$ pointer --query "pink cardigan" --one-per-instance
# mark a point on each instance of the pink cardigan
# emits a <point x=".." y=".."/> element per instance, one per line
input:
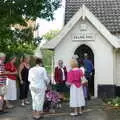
<point x="74" y="77"/>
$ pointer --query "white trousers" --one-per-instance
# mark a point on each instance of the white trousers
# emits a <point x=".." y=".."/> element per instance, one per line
<point x="38" y="99"/>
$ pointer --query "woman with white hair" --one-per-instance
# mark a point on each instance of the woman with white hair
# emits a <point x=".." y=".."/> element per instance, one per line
<point x="74" y="79"/>
<point x="60" y="77"/>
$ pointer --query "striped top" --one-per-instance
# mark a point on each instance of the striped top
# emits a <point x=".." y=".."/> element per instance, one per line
<point x="2" y="77"/>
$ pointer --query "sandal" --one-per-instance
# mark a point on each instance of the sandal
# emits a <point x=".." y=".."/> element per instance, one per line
<point x="27" y="102"/>
<point x="23" y="104"/>
<point x="80" y="113"/>
<point x="37" y="117"/>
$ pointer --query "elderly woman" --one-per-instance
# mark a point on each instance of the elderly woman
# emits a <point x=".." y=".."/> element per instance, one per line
<point x="11" y="81"/>
<point x="23" y="76"/>
<point x="38" y="84"/>
<point x="60" y="78"/>
<point x="76" y="91"/>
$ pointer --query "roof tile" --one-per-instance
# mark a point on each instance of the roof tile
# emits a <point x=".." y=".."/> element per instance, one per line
<point x="107" y="11"/>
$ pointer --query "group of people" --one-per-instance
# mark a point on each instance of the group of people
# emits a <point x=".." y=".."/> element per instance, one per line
<point x="37" y="81"/>
<point x="8" y="76"/>
<point x="78" y="79"/>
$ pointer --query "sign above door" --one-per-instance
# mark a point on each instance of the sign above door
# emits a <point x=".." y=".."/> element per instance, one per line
<point x="83" y="34"/>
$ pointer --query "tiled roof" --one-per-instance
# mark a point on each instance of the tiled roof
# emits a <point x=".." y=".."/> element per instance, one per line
<point x="107" y="11"/>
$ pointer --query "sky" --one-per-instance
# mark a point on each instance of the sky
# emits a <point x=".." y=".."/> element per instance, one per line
<point x="46" y="26"/>
<point x="57" y="23"/>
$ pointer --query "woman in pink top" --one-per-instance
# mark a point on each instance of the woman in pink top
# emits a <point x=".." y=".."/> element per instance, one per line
<point x="76" y="91"/>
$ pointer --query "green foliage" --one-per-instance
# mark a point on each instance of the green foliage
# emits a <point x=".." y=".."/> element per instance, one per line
<point x="22" y="42"/>
<point x="51" y="34"/>
<point x="14" y="12"/>
<point x="47" y="59"/>
<point x="114" y="101"/>
<point x="48" y="54"/>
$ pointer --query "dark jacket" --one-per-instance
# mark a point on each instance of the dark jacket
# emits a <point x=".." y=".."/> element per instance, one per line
<point x="58" y="75"/>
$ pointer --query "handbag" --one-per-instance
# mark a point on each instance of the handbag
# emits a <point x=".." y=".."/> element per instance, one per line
<point x="3" y="90"/>
<point x="84" y="80"/>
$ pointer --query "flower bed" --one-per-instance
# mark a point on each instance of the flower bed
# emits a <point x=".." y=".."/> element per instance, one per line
<point x="112" y="103"/>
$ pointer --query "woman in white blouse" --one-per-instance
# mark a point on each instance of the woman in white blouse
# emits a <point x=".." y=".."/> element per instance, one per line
<point x="38" y="84"/>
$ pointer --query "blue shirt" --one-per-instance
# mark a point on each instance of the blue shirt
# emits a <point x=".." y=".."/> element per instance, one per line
<point x="88" y="66"/>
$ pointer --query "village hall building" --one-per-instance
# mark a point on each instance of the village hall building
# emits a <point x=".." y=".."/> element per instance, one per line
<point x="93" y="27"/>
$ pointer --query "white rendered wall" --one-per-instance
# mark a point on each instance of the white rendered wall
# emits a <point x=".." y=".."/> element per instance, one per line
<point x="103" y="54"/>
<point x="118" y="68"/>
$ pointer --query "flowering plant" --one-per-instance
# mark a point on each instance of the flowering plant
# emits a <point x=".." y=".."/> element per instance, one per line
<point x="52" y="96"/>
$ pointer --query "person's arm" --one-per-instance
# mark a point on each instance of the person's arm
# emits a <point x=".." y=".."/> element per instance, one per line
<point x="47" y="80"/>
<point x="4" y="73"/>
<point x="56" y="75"/>
<point x="65" y="71"/>
<point x="19" y="73"/>
<point x="8" y="69"/>
<point x="69" y="79"/>
<point x="30" y="75"/>
<point x="13" y="73"/>
<point x="92" y="68"/>
<point x="84" y="81"/>
<point x="82" y="78"/>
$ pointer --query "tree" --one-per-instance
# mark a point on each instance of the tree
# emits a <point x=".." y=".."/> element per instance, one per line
<point x="14" y="12"/>
<point x="48" y="54"/>
<point x="17" y="11"/>
<point x="51" y="34"/>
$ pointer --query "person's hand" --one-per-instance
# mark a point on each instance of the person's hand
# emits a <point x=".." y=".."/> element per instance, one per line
<point x="57" y="83"/>
<point x="21" y="82"/>
<point x="3" y="73"/>
<point x="7" y="72"/>
<point x="91" y="74"/>
<point x="68" y="84"/>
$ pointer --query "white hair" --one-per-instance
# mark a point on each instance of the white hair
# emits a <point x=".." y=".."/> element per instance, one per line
<point x="85" y="54"/>
<point x="75" y="57"/>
